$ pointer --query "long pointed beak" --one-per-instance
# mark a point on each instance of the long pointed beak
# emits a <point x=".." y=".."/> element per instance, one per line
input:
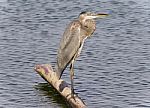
<point x="100" y="15"/>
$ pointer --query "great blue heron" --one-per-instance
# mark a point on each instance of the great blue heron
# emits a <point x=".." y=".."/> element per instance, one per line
<point x="72" y="42"/>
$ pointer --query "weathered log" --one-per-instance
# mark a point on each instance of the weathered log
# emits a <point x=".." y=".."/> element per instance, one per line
<point x="61" y="86"/>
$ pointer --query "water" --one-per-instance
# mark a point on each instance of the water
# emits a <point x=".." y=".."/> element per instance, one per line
<point x="113" y="70"/>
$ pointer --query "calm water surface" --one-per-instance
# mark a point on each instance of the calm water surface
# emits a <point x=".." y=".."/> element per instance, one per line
<point x="113" y="70"/>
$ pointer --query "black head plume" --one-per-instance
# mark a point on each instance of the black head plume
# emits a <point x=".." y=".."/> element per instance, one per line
<point x="83" y="12"/>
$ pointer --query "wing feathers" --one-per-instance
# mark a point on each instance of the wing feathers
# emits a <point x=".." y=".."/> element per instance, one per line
<point x="69" y="46"/>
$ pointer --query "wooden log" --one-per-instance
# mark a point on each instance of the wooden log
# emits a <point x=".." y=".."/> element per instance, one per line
<point x="61" y="86"/>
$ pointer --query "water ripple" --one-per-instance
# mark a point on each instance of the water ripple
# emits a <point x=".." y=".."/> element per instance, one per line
<point x="112" y="71"/>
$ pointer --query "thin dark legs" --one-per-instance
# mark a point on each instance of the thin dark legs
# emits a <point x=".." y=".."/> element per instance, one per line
<point x="71" y="77"/>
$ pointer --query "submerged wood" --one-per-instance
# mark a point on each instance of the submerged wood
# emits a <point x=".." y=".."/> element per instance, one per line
<point x="60" y="85"/>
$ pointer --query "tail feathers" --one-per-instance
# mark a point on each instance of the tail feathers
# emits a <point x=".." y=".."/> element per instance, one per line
<point x="58" y="71"/>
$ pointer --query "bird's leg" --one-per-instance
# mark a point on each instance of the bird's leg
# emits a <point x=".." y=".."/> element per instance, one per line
<point x="71" y="77"/>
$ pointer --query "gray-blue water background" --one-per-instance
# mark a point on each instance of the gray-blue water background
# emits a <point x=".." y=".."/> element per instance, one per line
<point x="113" y="70"/>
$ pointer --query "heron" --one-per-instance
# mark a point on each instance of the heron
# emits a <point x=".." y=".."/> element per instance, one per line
<point x="72" y="42"/>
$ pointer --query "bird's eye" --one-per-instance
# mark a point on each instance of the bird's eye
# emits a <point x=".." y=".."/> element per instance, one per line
<point x="86" y="26"/>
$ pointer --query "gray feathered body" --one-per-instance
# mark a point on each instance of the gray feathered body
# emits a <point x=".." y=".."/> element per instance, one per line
<point x="72" y="42"/>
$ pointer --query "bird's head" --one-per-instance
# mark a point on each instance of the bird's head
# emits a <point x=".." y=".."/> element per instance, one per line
<point x="89" y="15"/>
<point x="87" y="19"/>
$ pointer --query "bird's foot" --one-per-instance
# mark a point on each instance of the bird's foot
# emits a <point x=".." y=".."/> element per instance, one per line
<point x="73" y="95"/>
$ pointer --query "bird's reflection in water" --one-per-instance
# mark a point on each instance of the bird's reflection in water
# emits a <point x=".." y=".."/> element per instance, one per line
<point x="47" y="91"/>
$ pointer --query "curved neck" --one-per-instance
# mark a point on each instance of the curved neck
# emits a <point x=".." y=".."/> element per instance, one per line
<point x="88" y="25"/>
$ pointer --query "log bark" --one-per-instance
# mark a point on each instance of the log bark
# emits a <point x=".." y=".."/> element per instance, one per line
<point x="60" y="85"/>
